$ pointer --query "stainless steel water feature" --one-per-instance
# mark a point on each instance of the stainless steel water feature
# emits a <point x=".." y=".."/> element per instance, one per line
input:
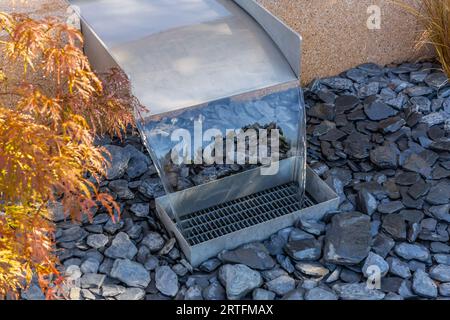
<point x="225" y="65"/>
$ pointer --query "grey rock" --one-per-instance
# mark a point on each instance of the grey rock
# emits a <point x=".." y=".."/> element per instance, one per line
<point x="444" y="289"/>
<point x="442" y="258"/>
<point x="416" y="163"/>
<point x="439" y="247"/>
<point x="92" y="280"/>
<point x="399" y="268"/>
<point x="214" y="291"/>
<point x="312" y="269"/>
<point x="367" y="203"/>
<point x="120" y="187"/>
<point x="385" y="157"/>
<point x="439" y="194"/>
<point x="423" y="285"/>
<point x="239" y="280"/>
<point x="406" y="291"/>
<point x="348" y="239"/>
<point x="337" y="83"/>
<point x="357" y="291"/>
<point x="254" y="256"/>
<point x="193" y="294"/>
<point x="436" y="80"/>
<point x="263" y="295"/>
<point x="121" y="247"/>
<point x="418" y="91"/>
<point x="374" y="260"/>
<point x="350" y="276"/>
<point x="112" y="290"/>
<point x="131" y="294"/>
<point x="131" y="273"/>
<point x="440" y="273"/>
<point x="118" y="158"/>
<point x="141" y="210"/>
<point x="377" y="111"/>
<point x="382" y="245"/>
<point x="97" y="241"/>
<point x="281" y="285"/>
<point x="75" y="233"/>
<point x="412" y="251"/>
<point x="90" y="266"/>
<point x="153" y="241"/>
<point x="167" y="281"/>
<point x="304" y="250"/>
<point x="433" y="119"/>
<point x="395" y="226"/>
<point x="320" y="294"/>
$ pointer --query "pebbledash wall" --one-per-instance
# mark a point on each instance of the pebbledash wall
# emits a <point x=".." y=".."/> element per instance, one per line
<point x="336" y="35"/>
<point x="335" y="32"/>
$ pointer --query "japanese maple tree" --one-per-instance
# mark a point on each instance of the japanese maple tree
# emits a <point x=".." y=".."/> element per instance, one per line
<point x="49" y="118"/>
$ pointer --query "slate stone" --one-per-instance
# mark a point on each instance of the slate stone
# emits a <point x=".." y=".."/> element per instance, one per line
<point x="374" y="260"/>
<point x="254" y="256"/>
<point x="323" y="111"/>
<point x="412" y="252"/>
<point x="440" y="273"/>
<point x="346" y="103"/>
<point x="419" y="189"/>
<point x="281" y="285"/>
<point x="337" y="83"/>
<point x="263" y="295"/>
<point x="395" y="225"/>
<point x="121" y="247"/>
<point x="320" y="294"/>
<point x="390" y="207"/>
<point x="407" y="178"/>
<point x="153" y="241"/>
<point x="377" y="111"/>
<point x="415" y="163"/>
<point x="441" y="212"/>
<point x="166" y="281"/>
<point x="348" y="239"/>
<point x="423" y="285"/>
<point x="399" y="268"/>
<point x="391" y="125"/>
<point x="118" y="158"/>
<point x="141" y="210"/>
<point x="439" y="194"/>
<point x="367" y="203"/>
<point x="239" y="280"/>
<point x="131" y="273"/>
<point x="382" y="245"/>
<point x="418" y="91"/>
<point x="304" y="250"/>
<point x="357" y="291"/>
<point x="385" y="157"/>
<point x="436" y="80"/>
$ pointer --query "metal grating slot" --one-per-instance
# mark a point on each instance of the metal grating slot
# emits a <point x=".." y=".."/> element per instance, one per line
<point x="232" y="216"/>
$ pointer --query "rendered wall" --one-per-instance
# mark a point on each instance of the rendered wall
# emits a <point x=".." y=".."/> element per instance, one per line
<point x="336" y="36"/>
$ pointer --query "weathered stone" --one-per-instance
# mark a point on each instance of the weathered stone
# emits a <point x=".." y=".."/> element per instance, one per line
<point x="377" y="111"/>
<point x="97" y="241"/>
<point x="121" y="247"/>
<point x="357" y="291"/>
<point x="440" y="273"/>
<point x="153" y="241"/>
<point x="399" y="268"/>
<point x="119" y="158"/>
<point x="366" y="202"/>
<point x="395" y="225"/>
<point x="254" y="256"/>
<point x="423" y="285"/>
<point x="348" y="239"/>
<point x="320" y="294"/>
<point x="239" y="280"/>
<point x="281" y="285"/>
<point x="412" y="251"/>
<point x="385" y="157"/>
<point x="439" y="194"/>
<point x="141" y="210"/>
<point x="131" y="273"/>
<point x="262" y="295"/>
<point x="374" y="260"/>
<point x="304" y="250"/>
<point x="312" y="269"/>
<point x="120" y="188"/>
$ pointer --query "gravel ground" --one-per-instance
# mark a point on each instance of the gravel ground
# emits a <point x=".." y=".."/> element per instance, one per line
<point x="379" y="136"/>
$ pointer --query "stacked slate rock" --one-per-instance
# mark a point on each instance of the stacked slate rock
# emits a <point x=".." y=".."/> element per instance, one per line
<point x="379" y="136"/>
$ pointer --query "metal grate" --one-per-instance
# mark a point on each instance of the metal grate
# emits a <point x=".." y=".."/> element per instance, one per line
<point x="217" y="221"/>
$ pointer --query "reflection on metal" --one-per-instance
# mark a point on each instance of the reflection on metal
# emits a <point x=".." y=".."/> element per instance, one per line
<point x="200" y="243"/>
<point x="228" y="64"/>
<point x="187" y="52"/>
